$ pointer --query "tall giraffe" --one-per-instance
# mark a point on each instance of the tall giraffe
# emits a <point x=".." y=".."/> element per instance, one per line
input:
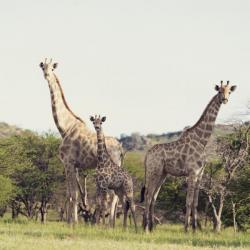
<point x="183" y="157"/>
<point x="110" y="176"/>
<point x="78" y="147"/>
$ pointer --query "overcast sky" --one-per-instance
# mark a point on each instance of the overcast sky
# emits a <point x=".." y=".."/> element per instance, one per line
<point x="149" y="66"/>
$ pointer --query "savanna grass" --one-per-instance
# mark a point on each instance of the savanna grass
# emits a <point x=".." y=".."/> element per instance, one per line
<point x="24" y="234"/>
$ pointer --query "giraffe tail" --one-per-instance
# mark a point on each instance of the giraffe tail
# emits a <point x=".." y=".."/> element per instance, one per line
<point x="143" y="193"/>
<point x="127" y="205"/>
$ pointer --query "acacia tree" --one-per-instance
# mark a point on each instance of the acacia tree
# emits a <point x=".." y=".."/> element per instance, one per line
<point x="49" y="170"/>
<point x="233" y="154"/>
<point x="239" y="203"/>
<point x="32" y="162"/>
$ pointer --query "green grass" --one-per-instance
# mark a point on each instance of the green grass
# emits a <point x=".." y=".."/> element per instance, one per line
<point x="134" y="162"/>
<point x="23" y="234"/>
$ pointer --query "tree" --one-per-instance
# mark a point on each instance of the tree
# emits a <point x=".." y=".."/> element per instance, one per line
<point x="32" y="162"/>
<point x="233" y="154"/>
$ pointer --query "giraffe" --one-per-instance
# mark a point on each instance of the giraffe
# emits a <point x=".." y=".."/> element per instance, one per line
<point x="183" y="157"/>
<point x="78" y="147"/>
<point x="110" y="176"/>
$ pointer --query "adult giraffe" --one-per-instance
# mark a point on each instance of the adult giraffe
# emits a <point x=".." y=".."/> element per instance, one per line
<point x="78" y="147"/>
<point x="183" y="157"/>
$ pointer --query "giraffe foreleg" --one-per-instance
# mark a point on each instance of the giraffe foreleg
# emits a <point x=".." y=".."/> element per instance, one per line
<point x="72" y="193"/>
<point x="195" y="202"/>
<point x="113" y="208"/>
<point x="192" y="179"/>
<point x="98" y="205"/>
<point x="104" y="206"/>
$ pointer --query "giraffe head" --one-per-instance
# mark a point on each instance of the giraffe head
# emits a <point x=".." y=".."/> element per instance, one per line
<point x="48" y="68"/>
<point x="97" y="121"/>
<point x="224" y="90"/>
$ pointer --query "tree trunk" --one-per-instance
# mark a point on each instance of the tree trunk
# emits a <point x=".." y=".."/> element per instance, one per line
<point x="61" y="213"/>
<point x="15" y="209"/>
<point x="3" y="210"/>
<point x="43" y="211"/>
<point x="206" y="213"/>
<point x="217" y="224"/>
<point x="217" y="214"/>
<point x="234" y="216"/>
<point x="43" y="216"/>
<point x="14" y="213"/>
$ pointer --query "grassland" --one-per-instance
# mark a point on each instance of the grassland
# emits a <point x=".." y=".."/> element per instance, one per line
<point x="24" y="234"/>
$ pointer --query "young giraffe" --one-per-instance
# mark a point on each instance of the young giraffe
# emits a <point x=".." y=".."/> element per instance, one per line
<point x="110" y="176"/>
<point x="78" y="147"/>
<point x="183" y="157"/>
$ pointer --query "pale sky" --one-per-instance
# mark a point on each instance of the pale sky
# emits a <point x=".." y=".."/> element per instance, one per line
<point x="149" y="66"/>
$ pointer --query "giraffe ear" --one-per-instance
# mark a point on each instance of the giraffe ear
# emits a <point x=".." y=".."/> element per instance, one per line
<point x="41" y="64"/>
<point x="233" y="88"/>
<point x="91" y="118"/>
<point x="217" y="88"/>
<point x="103" y="118"/>
<point x="55" y="65"/>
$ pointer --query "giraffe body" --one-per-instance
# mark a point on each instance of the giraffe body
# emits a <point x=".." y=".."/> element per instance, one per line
<point x="78" y="146"/>
<point x="110" y="176"/>
<point x="183" y="157"/>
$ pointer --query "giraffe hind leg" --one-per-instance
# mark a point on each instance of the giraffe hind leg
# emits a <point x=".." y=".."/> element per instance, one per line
<point x="150" y="191"/>
<point x="131" y="205"/>
<point x="152" y="205"/>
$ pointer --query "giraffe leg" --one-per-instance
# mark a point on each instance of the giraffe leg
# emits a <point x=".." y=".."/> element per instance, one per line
<point x="122" y="199"/>
<point x="125" y="209"/>
<point x="148" y="199"/>
<point x="98" y="205"/>
<point x="152" y="205"/>
<point x="113" y="210"/>
<point x="192" y="179"/>
<point x="104" y="207"/>
<point x="115" y="213"/>
<point x="195" y="202"/>
<point x="132" y="208"/>
<point x="194" y="207"/>
<point x="72" y="192"/>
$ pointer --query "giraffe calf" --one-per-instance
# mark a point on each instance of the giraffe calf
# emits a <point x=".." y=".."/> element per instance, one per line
<point x="110" y="176"/>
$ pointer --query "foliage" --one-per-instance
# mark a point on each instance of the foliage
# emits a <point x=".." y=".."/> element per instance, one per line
<point x="6" y="192"/>
<point x="222" y="178"/>
<point x="32" y="163"/>
<point x="172" y="198"/>
<point x="239" y="194"/>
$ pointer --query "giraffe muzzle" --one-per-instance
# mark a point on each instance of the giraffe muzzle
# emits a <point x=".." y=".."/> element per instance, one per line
<point x="97" y="128"/>
<point x="224" y="100"/>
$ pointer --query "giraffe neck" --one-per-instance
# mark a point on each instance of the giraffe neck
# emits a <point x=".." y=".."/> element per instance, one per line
<point x="64" y="118"/>
<point x="102" y="153"/>
<point x="205" y="125"/>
